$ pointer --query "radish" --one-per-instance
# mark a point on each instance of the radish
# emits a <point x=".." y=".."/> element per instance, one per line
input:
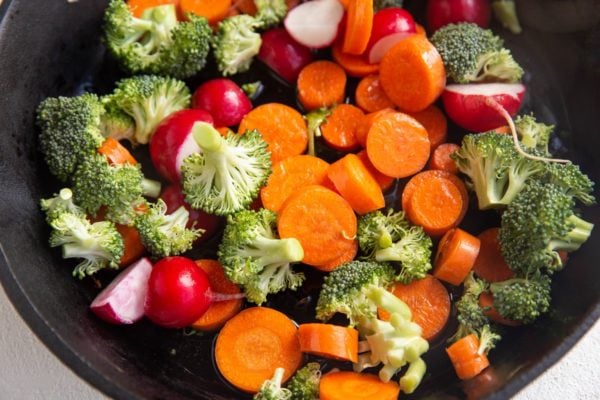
<point x="315" y="24"/>
<point x="172" y="142"/>
<point x="122" y="301"/>
<point x="469" y="106"/>
<point x="285" y="56"/>
<point x="223" y="99"/>
<point x="390" y="26"/>
<point x="444" y="12"/>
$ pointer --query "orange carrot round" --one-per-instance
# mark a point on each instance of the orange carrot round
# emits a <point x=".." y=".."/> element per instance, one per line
<point x="465" y="359"/>
<point x="282" y="127"/>
<point x="489" y="264"/>
<point x="428" y="301"/>
<point x="370" y="96"/>
<point x="245" y="6"/>
<point x="420" y="29"/>
<point x="213" y="10"/>
<point x="397" y="145"/>
<point x="356" y="66"/>
<point x="348" y="255"/>
<point x="339" y="130"/>
<point x="455" y="256"/>
<point x="359" y="22"/>
<point x="329" y="341"/>
<point x="366" y="122"/>
<point x="133" y="247"/>
<point x="440" y="158"/>
<point x="218" y="312"/>
<point x="348" y="385"/>
<point x="138" y="7"/>
<point x="253" y="344"/>
<point x="116" y="153"/>
<point x="435" y="123"/>
<point x="321" y="84"/>
<point x="412" y="73"/>
<point x="486" y="301"/>
<point x="385" y="182"/>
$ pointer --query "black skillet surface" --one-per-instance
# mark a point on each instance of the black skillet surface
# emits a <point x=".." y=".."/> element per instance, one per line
<point x="50" y="48"/>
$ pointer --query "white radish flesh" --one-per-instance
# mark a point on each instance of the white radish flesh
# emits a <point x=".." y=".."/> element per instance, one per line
<point x="315" y="23"/>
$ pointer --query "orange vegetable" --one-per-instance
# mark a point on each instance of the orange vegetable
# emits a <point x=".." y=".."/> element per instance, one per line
<point x="370" y="96"/>
<point x="486" y="301"/>
<point x="366" y="122"/>
<point x="329" y="341"/>
<point x="412" y="73"/>
<point x="138" y="7"/>
<point x="359" y="22"/>
<point x="356" y="66"/>
<point x="218" y="312"/>
<point x="385" y="182"/>
<point x="354" y="182"/>
<point x="245" y="6"/>
<point x="455" y="256"/>
<point x="465" y="359"/>
<point x="224" y="130"/>
<point x="440" y="159"/>
<point x="428" y="301"/>
<point x="397" y="145"/>
<point x="435" y="123"/>
<point x="213" y="10"/>
<point x="348" y="255"/>
<point x="348" y="385"/>
<point x="339" y="130"/>
<point x="253" y="344"/>
<point x="133" y="247"/>
<point x="116" y="153"/>
<point x="489" y="264"/>
<point x="322" y="221"/>
<point x="282" y="127"/>
<point x="420" y="30"/>
<point x="321" y="84"/>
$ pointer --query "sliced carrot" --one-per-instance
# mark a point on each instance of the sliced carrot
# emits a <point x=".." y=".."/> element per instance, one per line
<point x="435" y="123"/>
<point x="359" y="22"/>
<point x="366" y="122"/>
<point x="436" y="200"/>
<point x="329" y="341"/>
<point x="321" y="84"/>
<point x="440" y="159"/>
<point x="291" y="3"/>
<point x="339" y="130"/>
<point x="218" y="312"/>
<point x="348" y="255"/>
<point x="322" y="221"/>
<point x="354" y="182"/>
<point x="486" y="301"/>
<point x="224" y="130"/>
<point x="245" y="6"/>
<point x="282" y="127"/>
<point x="505" y="130"/>
<point x="253" y="344"/>
<point x="348" y="385"/>
<point x="370" y="96"/>
<point x="213" y="10"/>
<point x="356" y="66"/>
<point x="116" y="153"/>
<point x="428" y="301"/>
<point x="133" y="247"/>
<point x="385" y="182"/>
<point x="465" y="358"/>
<point x="289" y="175"/>
<point x="138" y="7"/>
<point x="490" y="264"/>
<point x="412" y="73"/>
<point x="455" y="256"/>
<point x="420" y="30"/>
<point x="397" y="145"/>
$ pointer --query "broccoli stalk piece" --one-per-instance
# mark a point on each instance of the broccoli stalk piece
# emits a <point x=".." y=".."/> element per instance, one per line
<point x="271" y="389"/>
<point x="314" y="120"/>
<point x="522" y="299"/>
<point x="505" y="11"/>
<point x="270" y="12"/>
<point x="474" y="54"/>
<point x="304" y="385"/>
<point x="533" y="134"/>
<point x="236" y="43"/>
<point x="226" y="176"/>
<point x="255" y="258"/>
<point x="60" y="203"/>
<point x="99" y="244"/>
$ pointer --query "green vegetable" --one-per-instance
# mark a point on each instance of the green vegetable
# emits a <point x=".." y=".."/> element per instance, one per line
<point x="314" y="120"/>
<point x="271" y="389"/>
<point x="236" y="43"/>
<point x="533" y="134"/>
<point x="60" y="203"/>
<point x="572" y="181"/>
<point x="506" y="12"/>
<point x="304" y="385"/>
<point x="116" y="123"/>
<point x="381" y="4"/>
<point x="522" y="299"/>
<point x="270" y="12"/>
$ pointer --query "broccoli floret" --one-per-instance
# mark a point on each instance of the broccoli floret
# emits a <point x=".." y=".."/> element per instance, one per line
<point x="253" y="89"/>
<point x="487" y="339"/>
<point x="165" y="234"/>
<point x="69" y="131"/>
<point x="533" y="134"/>
<point x="497" y="173"/>
<point x="474" y="54"/>
<point x="255" y="258"/>
<point x="522" y="299"/>
<point x="270" y="12"/>
<point x="60" y="203"/>
<point x="236" y="43"/>
<point x="572" y="181"/>
<point x="470" y="316"/>
<point x="342" y="290"/>
<point x="539" y="223"/>
<point x="226" y="176"/>
<point x="506" y="12"/>
<point x="391" y="238"/>
<point x="156" y="43"/>
<point x="148" y="99"/>
<point x="304" y="385"/>
<point x="381" y="4"/>
<point x="115" y="123"/>
<point x="271" y="389"/>
<point x="99" y="244"/>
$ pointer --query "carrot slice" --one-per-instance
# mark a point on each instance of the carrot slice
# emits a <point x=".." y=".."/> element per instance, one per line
<point x="289" y="175"/>
<point x="213" y="10"/>
<point x="354" y="182"/>
<point x="397" y="145"/>
<point x="339" y="130"/>
<point x="245" y="6"/>
<point x="133" y="247"/>
<point x="138" y="7"/>
<point x="486" y="301"/>
<point x="440" y="159"/>
<point x="366" y="122"/>
<point x="465" y="358"/>
<point x="370" y="96"/>
<point x="420" y="30"/>
<point x="359" y="22"/>
<point x="322" y="221"/>
<point x="412" y="73"/>
<point x="428" y="301"/>
<point x="348" y="255"/>
<point x="282" y="127"/>
<point x="348" y="385"/>
<point x="321" y="84"/>
<point x="218" y="312"/>
<point x="329" y="341"/>
<point x="355" y="66"/>
<point x="253" y="344"/>
<point x="385" y="182"/>
<point x="435" y="123"/>
<point x="489" y="264"/>
<point x="455" y="256"/>
<point x="116" y="153"/>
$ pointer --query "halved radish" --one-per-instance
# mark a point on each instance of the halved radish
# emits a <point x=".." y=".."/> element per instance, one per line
<point x="122" y="301"/>
<point x="315" y="23"/>
<point x="443" y="12"/>
<point x="390" y="25"/>
<point x="468" y="105"/>
<point x="224" y="100"/>
<point x="285" y="56"/>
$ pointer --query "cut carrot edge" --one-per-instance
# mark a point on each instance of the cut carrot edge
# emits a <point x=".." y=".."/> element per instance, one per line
<point x="490" y="264"/>
<point x="359" y="23"/>
<point x="116" y="153"/>
<point x="465" y="358"/>
<point x="329" y="341"/>
<point x="355" y="66"/>
<point x="455" y="256"/>
<point x="348" y="385"/>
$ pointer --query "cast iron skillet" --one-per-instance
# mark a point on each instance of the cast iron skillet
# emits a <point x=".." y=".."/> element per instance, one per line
<point x="50" y="48"/>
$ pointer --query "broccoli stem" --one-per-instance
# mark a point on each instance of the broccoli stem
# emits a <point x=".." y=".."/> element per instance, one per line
<point x="87" y="250"/>
<point x="575" y="237"/>
<point x="273" y="251"/>
<point x="386" y="300"/>
<point x="165" y="18"/>
<point x="505" y="11"/>
<point x="208" y="138"/>
<point x="177" y="217"/>
<point x="65" y="194"/>
<point x="412" y="378"/>
<point x="150" y="188"/>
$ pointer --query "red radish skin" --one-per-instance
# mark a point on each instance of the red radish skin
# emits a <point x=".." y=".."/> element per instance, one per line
<point x="223" y="99"/>
<point x="390" y="25"/>
<point x="285" y="56"/>
<point x="466" y="104"/>
<point x="122" y="301"/>
<point x="444" y="12"/>
<point x="316" y="23"/>
<point x="172" y="142"/>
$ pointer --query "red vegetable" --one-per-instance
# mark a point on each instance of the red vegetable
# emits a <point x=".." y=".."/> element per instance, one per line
<point x="443" y="12"/>
<point x="285" y="56"/>
<point x="390" y="25"/>
<point x="315" y="23"/>
<point x="223" y="99"/>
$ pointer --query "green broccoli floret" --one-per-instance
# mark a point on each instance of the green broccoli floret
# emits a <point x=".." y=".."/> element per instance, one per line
<point x="271" y="389"/>
<point x="539" y="223"/>
<point x="60" y="203"/>
<point x="572" y="181"/>
<point x="69" y="131"/>
<point x="236" y="43"/>
<point x="506" y="12"/>
<point x="156" y="43"/>
<point x="115" y="123"/>
<point x="270" y="12"/>
<point x="497" y="173"/>
<point x="470" y="316"/>
<point x="381" y="4"/>
<point x="342" y="290"/>
<point x="148" y="99"/>
<point x="522" y="299"/>
<point x="99" y="244"/>
<point x="165" y="234"/>
<point x="227" y="174"/>
<point x="255" y="258"/>
<point x="304" y="385"/>
<point x="533" y="134"/>
<point x="487" y="339"/>
<point x="253" y="89"/>
<point x="474" y="54"/>
<point x="391" y="238"/>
